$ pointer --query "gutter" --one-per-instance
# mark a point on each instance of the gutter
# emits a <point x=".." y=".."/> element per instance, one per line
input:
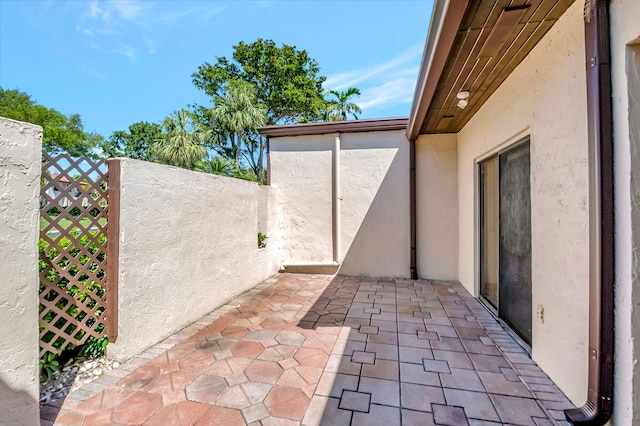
<point x="599" y="406"/>
<point x="413" y="208"/>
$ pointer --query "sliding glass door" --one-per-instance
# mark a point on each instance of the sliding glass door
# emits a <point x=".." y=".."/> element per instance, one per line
<point x="505" y="237"/>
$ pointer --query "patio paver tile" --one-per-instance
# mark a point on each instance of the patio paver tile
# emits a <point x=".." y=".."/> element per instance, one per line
<point x="517" y="410"/>
<point x="452" y="416"/>
<point x="355" y="401"/>
<point x="420" y="397"/>
<point x="414" y="373"/>
<point x="378" y="415"/>
<point x="221" y="416"/>
<point x="385" y="392"/>
<point x="476" y="405"/>
<point x="412" y="418"/>
<point x="329" y="350"/>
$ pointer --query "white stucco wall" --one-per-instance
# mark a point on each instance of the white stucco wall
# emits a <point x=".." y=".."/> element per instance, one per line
<point x="301" y="173"/>
<point x="437" y="206"/>
<point x="374" y="207"/>
<point x="545" y="97"/>
<point x="188" y="244"/>
<point x="375" y="204"/>
<point x="625" y="30"/>
<point x="20" y="152"/>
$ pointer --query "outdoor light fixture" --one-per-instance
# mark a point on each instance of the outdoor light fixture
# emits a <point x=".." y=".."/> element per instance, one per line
<point x="463" y="96"/>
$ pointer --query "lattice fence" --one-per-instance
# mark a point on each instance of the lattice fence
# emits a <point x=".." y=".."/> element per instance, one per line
<point x="73" y="241"/>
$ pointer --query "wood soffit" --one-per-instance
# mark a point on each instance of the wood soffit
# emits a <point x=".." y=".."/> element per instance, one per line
<point x="493" y="37"/>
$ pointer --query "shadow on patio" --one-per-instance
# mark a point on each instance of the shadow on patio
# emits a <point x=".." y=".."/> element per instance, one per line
<point x="301" y="349"/>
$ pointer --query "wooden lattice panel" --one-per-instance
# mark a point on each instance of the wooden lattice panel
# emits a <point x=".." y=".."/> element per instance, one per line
<point x="73" y="239"/>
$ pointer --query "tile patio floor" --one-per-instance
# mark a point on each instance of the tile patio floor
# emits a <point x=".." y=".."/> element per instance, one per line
<point x="302" y="349"/>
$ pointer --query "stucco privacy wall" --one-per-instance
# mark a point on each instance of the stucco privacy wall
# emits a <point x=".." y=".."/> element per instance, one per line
<point x="20" y="152"/>
<point x="545" y="97"/>
<point x="374" y="207"/>
<point x="188" y="244"/>
<point x="437" y="206"/>
<point x="300" y="169"/>
<point x="625" y="70"/>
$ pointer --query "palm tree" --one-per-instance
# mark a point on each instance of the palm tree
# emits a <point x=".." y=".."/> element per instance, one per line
<point x="217" y="166"/>
<point x="239" y="113"/>
<point x="341" y="107"/>
<point x="183" y="141"/>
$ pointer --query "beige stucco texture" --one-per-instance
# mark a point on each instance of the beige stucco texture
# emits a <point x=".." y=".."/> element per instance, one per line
<point x="188" y="244"/>
<point x="374" y="204"/>
<point x="625" y="72"/>
<point x="543" y="98"/>
<point x="20" y="152"/>
<point x="437" y="206"/>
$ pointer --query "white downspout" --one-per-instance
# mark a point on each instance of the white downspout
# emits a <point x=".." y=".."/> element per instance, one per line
<point x="337" y="197"/>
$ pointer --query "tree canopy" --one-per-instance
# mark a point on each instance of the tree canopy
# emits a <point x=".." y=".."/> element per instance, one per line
<point x="285" y="79"/>
<point x="340" y="107"/>
<point x="61" y="132"/>
<point x="183" y="142"/>
<point x="136" y="143"/>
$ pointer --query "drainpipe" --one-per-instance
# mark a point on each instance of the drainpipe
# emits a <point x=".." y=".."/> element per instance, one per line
<point x="337" y="197"/>
<point x="599" y="405"/>
<point x="412" y="206"/>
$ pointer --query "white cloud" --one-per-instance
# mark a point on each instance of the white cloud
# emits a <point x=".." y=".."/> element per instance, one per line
<point x="126" y="50"/>
<point x="130" y="26"/>
<point x="89" y="70"/>
<point x="396" y="91"/>
<point x="351" y="78"/>
<point x="128" y="9"/>
<point x="385" y="84"/>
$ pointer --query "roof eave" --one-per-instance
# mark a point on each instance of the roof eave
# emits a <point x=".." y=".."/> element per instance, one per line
<point x="446" y="18"/>
<point x="350" y="126"/>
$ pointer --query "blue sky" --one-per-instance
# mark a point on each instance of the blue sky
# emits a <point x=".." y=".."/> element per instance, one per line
<point x="119" y="62"/>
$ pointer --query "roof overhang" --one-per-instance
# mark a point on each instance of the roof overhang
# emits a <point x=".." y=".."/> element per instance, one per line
<point x="472" y="46"/>
<point x="351" y="126"/>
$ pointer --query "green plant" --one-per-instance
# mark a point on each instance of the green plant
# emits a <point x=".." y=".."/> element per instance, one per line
<point x="49" y="364"/>
<point x="262" y="240"/>
<point x="94" y="348"/>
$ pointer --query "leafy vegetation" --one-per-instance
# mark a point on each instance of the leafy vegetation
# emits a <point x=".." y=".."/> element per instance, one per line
<point x="49" y="364"/>
<point x="262" y="240"/>
<point x="94" y="348"/>
<point x="135" y="143"/>
<point x="341" y="106"/>
<point x="183" y="141"/>
<point x="61" y="132"/>
<point x="261" y="84"/>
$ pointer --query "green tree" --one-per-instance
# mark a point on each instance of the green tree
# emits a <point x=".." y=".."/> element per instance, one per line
<point x="137" y="143"/>
<point x="61" y="132"/>
<point x="286" y="80"/>
<point x="184" y="140"/>
<point x="239" y="114"/>
<point x="216" y="165"/>
<point x="340" y="107"/>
